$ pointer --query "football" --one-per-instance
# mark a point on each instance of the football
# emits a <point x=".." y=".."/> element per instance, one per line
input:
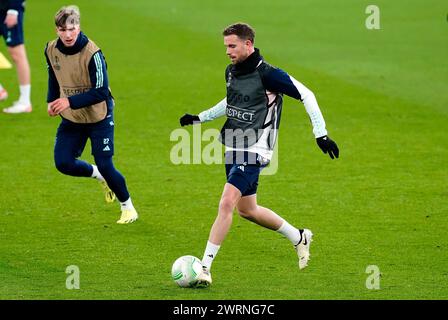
<point x="186" y="270"/>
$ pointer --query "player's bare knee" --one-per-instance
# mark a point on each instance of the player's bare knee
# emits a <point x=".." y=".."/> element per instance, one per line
<point x="246" y="213"/>
<point x="226" y="206"/>
<point x="15" y="54"/>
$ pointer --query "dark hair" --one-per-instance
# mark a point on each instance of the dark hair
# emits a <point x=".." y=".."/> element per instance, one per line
<point x="67" y="15"/>
<point x="242" y="30"/>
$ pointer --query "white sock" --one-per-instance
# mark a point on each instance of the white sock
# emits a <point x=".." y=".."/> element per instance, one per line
<point x="25" y="92"/>
<point x="209" y="254"/>
<point x="96" y="173"/>
<point x="290" y="232"/>
<point x="127" y="204"/>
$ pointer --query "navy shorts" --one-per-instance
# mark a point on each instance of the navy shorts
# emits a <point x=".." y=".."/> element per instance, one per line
<point x="243" y="175"/>
<point x="13" y="36"/>
<point x="72" y="137"/>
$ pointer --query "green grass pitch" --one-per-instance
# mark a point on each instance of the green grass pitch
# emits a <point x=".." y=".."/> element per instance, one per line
<point x="384" y="97"/>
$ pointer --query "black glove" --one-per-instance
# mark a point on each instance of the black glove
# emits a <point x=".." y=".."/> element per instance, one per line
<point x="188" y="119"/>
<point x="328" y="145"/>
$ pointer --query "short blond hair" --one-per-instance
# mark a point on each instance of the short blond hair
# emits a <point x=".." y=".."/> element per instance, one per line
<point x="67" y="15"/>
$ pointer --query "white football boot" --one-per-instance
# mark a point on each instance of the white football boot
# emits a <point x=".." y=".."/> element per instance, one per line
<point x="128" y="216"/>
<point x="204" y="279"/>
<point x="303" y="248"/>
<point x="18" y="107"/>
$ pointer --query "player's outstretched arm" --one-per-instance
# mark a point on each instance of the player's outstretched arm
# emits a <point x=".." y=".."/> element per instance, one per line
<point x="328" y="146"/>
<point x="214" y="112"/>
